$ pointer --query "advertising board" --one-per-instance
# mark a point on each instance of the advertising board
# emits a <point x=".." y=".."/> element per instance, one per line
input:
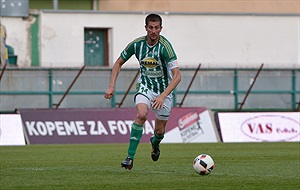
<point x="260" y="126"/>
<point x="11" y="130"/>
<point x="51" y="126"/>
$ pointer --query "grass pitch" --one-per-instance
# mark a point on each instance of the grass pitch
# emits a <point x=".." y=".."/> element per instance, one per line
<point x="97" y="166"/>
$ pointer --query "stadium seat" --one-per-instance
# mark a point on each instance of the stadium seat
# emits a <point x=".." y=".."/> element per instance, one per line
<point x="12" y="58"/>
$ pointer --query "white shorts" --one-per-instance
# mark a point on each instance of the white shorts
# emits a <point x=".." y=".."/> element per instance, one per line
<point x="162" y="113"/>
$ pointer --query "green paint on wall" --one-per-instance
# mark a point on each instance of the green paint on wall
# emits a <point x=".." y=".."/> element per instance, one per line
<point x="34" y="32"/>
<point x="41" y="4"/>
<point x="62" y="4"/>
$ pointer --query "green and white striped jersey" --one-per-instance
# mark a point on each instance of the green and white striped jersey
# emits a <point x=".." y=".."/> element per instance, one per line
<point x="156" y="62"/>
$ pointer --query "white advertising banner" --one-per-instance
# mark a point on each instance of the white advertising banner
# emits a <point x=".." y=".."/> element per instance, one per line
<point x="11" y="130"/>
<point x="194" y="127"/>
<point x="260" y="126"/>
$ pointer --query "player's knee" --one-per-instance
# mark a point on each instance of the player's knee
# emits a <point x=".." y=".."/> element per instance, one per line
<point x="142" y="115"/>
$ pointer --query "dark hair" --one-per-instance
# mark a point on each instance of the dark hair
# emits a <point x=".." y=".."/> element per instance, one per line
<point x="153" y="18"/>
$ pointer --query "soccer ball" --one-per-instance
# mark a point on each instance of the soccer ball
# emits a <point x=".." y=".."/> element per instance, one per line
<point x="203" y="164"/>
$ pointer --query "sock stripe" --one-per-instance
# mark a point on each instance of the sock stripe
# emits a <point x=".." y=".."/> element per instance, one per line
<point x="158" y="137"/>
<point x="137" y="126"/>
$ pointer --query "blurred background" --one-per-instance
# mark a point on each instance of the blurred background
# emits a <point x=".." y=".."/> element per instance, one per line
<point x="248" y="52"/>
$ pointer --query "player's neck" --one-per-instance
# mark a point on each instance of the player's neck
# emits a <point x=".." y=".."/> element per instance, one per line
<point x="152" y="43"/>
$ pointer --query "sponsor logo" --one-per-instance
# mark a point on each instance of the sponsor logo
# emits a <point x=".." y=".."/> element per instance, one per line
<point x="154" y="74"/>
<point x="149" y="62"/>
<point x="271" y="128"/>
<point x="150" y="68"/>
<point x="190" y="127"/>
<point x="124" y="53"/>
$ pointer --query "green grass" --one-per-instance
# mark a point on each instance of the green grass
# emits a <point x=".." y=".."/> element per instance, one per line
<point x="97" y="166"/>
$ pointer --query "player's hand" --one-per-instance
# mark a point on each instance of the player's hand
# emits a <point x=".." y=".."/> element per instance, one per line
<point x="109" y="93"/>
<point x="158" y="102"/>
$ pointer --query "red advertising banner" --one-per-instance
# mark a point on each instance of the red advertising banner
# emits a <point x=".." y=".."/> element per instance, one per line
<point x="61" y="126"/>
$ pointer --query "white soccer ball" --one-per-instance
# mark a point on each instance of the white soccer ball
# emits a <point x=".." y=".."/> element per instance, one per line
<point x="203" y="164"/>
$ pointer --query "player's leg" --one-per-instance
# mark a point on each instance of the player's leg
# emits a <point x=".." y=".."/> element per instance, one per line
<point x="158" y="136"/>
<point x="142" y="104"/>
<point x="162" y="116"/>
<point x="137" y="128"/>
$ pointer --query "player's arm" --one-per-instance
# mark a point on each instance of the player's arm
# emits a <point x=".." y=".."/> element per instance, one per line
<point x="114" y="75"/>
<point x="159" y="101"/>
<point x="173" y="83"/>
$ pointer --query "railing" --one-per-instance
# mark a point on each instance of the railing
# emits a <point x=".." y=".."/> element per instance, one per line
<point x="219" y="89"/>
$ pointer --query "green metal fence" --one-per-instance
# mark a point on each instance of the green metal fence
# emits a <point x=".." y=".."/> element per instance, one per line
<point x="219" y="89"/>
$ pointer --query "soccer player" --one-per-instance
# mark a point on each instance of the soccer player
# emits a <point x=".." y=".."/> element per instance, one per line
<point x="159" y="76"/>
<point x="3" y="49"/>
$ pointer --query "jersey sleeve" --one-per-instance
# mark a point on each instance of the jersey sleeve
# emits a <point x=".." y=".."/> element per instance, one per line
<point x="128" y="51"/>
<point x="169" y="54"/>
<point x="173" y="64"/>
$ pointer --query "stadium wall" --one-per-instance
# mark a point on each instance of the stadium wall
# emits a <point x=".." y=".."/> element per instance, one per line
<point x="236" y="6"/>
<point x="215" y="40"/>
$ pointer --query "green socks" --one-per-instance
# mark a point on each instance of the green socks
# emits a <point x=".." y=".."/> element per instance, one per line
<point x="156" y="139"/>
<point x="135" y="137"/>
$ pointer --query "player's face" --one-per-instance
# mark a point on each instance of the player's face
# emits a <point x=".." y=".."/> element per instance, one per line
<point x="153" y="30"/>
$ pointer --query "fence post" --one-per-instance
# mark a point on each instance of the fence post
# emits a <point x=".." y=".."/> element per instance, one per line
<point x="2" y="71"/>
<point x="188" y="89"/>
<point x="132" y="82"/>
<point x="70" y="87"/>
<point x="249" y="90"/>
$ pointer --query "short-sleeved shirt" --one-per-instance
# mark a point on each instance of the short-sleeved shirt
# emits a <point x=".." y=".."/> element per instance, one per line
<point x="3" y="49"/>
<point x="156" y="62"/>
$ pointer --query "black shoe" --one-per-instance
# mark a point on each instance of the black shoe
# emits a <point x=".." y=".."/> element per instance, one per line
<point x="127" y="163"/>
<point x="155" y="151"/>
